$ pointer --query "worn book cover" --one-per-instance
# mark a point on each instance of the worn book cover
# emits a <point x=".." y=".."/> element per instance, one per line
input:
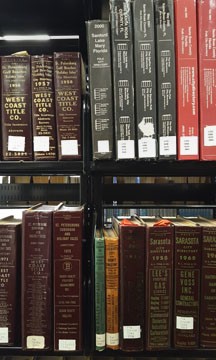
<point x="43" y="108"/>
<point x="67" y="278"/>
<point x="16" y="124"/>
<point x="101" y="89"/>
<point x="131" y="234"/>
<point x="68" y="105"/>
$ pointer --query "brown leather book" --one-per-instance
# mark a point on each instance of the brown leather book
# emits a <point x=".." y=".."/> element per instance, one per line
<point x="159" y="284"/>
<point x="68" y="84"/>
<point x="16" y="108"/>
<point x="10" y="314"/>
<point x="36" y="277"/>
<point x="43" y="108"/>
<point x="112" y="287"/>
<point x="131" y="234"/>
<point x="208" y="280"/>
<point x="67" y="261"/>
<point x="186" y="283"/>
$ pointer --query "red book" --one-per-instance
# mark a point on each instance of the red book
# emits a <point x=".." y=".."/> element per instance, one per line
<point x="131" y="234"/>
<point x="207" y="75"/>
<point x="67" y="240"/>
<point x="187" y="79"/>
<point x="36" y="277"/>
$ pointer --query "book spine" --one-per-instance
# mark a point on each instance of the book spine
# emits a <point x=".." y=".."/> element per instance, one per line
<point x="145" y="78"/>
<point x="165" y="53"/>
<point x="123" y="78"/>
<point x="187" y="287"/>
<point x="208" y="297"/>
<point x="36" y="280"/>
<point x="10" y="241"/>
<point x="100" y="294"/>
<point x="16" y="108"/>
<point x="112" y="292"/>
<point x="100" y="80"/>
<point x="132" y="267"/>
<point x="186" y="79"/>
<point x="67" y="81"/>
<point x="207" y="73"/>
<point x="159" y="287"/>
<point x="43" y="108"/>
<point x="68" y="229"/>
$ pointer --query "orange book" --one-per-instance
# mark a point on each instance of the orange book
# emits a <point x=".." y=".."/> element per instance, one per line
<point x="112" y="288"/>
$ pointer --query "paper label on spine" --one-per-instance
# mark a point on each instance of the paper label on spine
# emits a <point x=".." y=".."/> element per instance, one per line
<point x="35" y="342"/>
<point x="41" y="143"/>
<point x="131" y="332"/>
<point x="69" y="147"/>
<point x="100" y="340"/>
<point x="16" y="143"/>
<point x="112" y="339"/>
<point x="4" y="335"/>
<point x="189" y="145"/>
<point x="103" y="146"/>
<point x="147" y="148"/>
<point x="210" y="135"/>
<point x="184" y="323"/>
<point x="167" y="145"/>
<point x="126" y="149"/>
<point x="67" y="344"/>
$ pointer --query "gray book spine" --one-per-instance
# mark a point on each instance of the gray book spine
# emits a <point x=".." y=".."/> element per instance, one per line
<point x="123" y="78"/>
<point x="145" y="78"/>
<point x="100" y="80"/>
<point x="166" y="83"/>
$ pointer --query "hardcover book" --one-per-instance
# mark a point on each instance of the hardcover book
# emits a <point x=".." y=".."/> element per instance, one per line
<point x="68" y="83"/>
<point x="99" y="283"/>
<point x="186" y="283"/>
<point x="112" y="287"/>
<point x="123" y="78"/>
<point x="207" y="69"/>
<point x="43" y="108"/>
<point x="145" y="78"/>
<point x="131" y="233"/>
<point x="36" y="277"/>
<point x="166" y="82"/>
<point x="187" y="79"/>
<point x="67" y="262"/>
<point x="159" y="284"/>
<point x="100" y="82"/>
<point x="16" y="108"/>
<point x="10" y="314"/>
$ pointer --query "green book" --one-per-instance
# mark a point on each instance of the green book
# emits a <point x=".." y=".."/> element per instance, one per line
<point x="99" y="291"/>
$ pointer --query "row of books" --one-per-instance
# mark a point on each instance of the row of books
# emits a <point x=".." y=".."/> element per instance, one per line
<point x="152" y="69"/>
<point x="41" y="278"/>
<point x="155" y="284"/>
<point x="41" y="106"/>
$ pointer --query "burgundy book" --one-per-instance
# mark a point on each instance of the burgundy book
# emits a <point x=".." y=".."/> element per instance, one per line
<point x="16" y="108"/>
<point x="43" y="108"/>
<point x="67" y="241"/>
<point x="131" y="234"/>
<point x="186" y="283"/>
<point x="208" y="279"/>
<point x="68" y="80"/>
<point x="36" y="277"/>
<point x="159" y="284"/>
<point x="10" y="241"/>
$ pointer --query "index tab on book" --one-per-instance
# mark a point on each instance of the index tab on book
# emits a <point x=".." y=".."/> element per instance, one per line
<point x="67" y="344"/>
<point x="41" y="143"/>
<point x="103" y="146"/>
<point x="3" y="335"/>
<point x="167" y="145"/>
<point x="189" y="145"/>
<point x="147" y="147"/>
<point x="131" y="332"/>
<point x="126" y="149"/>
<point x="112" y="339"/>
<point x="184" y="323"/>
<point x="210" y="135"/>
<point x="35" y="342"/>
<point x="100" y="340"/>
<point x="16" y="143"/>
<point x="69" y="147"/>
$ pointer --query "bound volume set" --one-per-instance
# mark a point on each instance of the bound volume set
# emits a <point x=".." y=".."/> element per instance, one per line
<point x="152" y="80"/>
<point x="155" y="284"/>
